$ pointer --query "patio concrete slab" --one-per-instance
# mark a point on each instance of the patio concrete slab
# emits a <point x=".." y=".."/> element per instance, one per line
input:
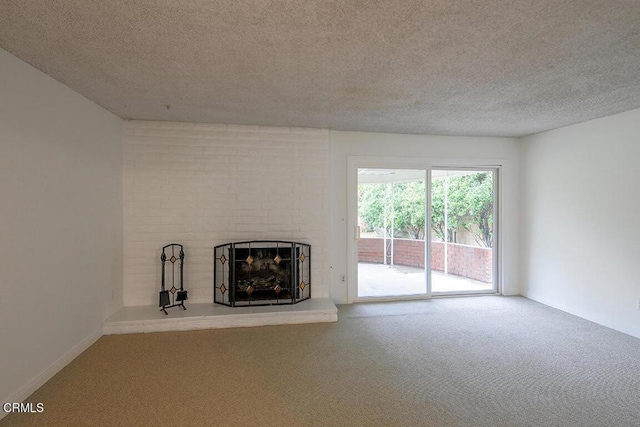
<point x="387" y="280"/>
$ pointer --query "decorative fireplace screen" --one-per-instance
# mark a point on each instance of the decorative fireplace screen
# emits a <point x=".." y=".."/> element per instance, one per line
<point x="261" y="272"/>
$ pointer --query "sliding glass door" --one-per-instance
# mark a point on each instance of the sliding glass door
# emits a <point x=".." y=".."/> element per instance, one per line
<point x="423" y="232"/>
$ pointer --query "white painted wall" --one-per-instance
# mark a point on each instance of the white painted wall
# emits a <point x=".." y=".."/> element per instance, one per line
<point x="203" y="185"/>
<point x="345" y="144"/>
<point x="60" y="225"/>
<point x="580" y="245"/>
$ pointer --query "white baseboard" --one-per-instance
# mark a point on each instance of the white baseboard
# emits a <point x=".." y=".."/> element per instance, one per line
<point x="591" y="316"/>
<point x="44" y="376"/>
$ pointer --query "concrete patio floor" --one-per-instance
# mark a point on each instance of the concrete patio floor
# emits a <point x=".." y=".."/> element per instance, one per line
<point x="386" y="280"/>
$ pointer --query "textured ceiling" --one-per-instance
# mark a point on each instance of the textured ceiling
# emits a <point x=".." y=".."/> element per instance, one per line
<point x="450" y="67"/>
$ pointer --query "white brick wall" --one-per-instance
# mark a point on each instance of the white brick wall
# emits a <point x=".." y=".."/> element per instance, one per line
<point x="202" y="185"/>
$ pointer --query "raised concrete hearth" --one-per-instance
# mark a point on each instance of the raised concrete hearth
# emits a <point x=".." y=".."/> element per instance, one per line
<point x="129" y="320"/>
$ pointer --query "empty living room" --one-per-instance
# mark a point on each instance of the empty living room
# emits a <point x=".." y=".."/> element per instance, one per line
<point x="320" y="213"/>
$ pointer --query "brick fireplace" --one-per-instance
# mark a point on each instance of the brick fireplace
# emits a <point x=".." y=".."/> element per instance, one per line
<point x="207" y="184"/>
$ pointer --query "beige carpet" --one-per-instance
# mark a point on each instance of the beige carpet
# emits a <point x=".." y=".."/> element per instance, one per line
<point x="486" y="361"/>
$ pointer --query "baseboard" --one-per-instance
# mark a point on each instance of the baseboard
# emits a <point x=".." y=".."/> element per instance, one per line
<point x="44" y="376"/>
<point x="587" y="315"/>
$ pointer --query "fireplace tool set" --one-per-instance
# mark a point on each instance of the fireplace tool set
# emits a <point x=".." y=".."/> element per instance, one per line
<point x="178" y="295"/>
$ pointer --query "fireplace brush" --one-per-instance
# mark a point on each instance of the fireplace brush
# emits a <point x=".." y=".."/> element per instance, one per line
<point x="181" y="295"/>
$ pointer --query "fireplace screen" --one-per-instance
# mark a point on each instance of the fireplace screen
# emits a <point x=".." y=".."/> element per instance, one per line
<point x="261" y="272"/>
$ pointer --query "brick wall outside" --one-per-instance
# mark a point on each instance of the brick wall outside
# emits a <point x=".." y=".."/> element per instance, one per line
<point x="371" y="250"/>
<point x="205" y="184"/>
<point x="463" y="260"/>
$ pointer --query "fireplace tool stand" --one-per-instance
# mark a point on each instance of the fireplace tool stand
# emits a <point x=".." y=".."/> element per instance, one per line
<point x="178" y="296"/>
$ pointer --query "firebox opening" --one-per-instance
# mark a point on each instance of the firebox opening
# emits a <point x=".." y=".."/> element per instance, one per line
<point x="262" y="278"/>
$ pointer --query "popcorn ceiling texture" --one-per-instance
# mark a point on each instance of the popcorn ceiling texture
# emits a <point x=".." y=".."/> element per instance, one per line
<point x="203" y="185"/>
<point x="499" y="68"/>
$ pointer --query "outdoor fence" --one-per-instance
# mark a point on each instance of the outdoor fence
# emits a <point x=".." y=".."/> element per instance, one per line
<point x="462" y="260"/>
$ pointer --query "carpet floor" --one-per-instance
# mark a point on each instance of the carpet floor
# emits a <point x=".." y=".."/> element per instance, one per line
<point x="483" y="361"/>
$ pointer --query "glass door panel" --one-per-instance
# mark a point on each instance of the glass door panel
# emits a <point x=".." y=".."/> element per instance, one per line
<point x="462" y="231"/>
<point x="391" y="221"/>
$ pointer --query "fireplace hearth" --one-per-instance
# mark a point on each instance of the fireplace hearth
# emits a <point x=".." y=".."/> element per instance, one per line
<point x="261" y="272"/>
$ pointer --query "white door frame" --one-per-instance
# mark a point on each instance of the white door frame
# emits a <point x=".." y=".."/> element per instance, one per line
<point x="428" y="164"/>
